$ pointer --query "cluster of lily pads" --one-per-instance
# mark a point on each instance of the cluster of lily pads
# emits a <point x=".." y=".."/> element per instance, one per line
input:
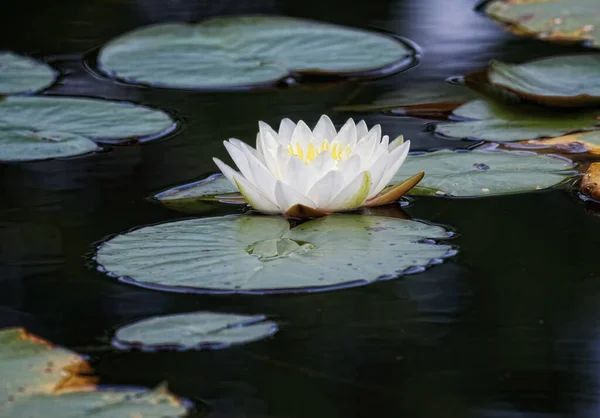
<point x="536" y="105"/>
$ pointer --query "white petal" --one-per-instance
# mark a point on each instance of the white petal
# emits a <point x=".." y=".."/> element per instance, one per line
<point x="263" y="128"/>
<point x="361" y="129"/>
<point x="328" y="186"/>
<point x="350" y="168"/>
<point x="367" y="145"/>
<point x="243" y="146"/>
<point x="353" y="195"/>
<point x="347" y="134"/>
<point x="287" y="197"/>
<point x="272" y="155"/>
<point x="324" y="129"/>
<point x="377" y="169"/>
<point x="286" y="128"/>
<point x="263" y="179"/>
<point x="240" y="160"/>
<point x="396" y="143"/>
<point x="253" y="196"/>
<point x="377" y="130"/>
<point x="395" y="160"/>
<point x="302" y="135"/>
<point x="323" y="162"/>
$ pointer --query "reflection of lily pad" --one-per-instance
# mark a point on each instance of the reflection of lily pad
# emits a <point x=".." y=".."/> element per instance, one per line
<point x="22" y="145"/>
<point x="19" y="74"/>
<point x="245" y="51"/>
<point x="199" y="330"/>
<point x="39" y="379"/>
<point x="258" y="253"/>
<point x="480" y="173"/>
<point x="496" y="122"/>
<point x="556" y="20"/>
<point x="101" y="120"/>
<point x="565" y="81"/>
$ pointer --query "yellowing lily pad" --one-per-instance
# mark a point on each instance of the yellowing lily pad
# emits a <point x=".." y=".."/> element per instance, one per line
<point x="496" y="122"/>
<point x="193" y="331"/>
<point x="100" y="120"/>
<point x="590" y="183"/>
<point x="242" y="51"/>
<point x="246" y="254"/>
<point x="571" y="21"/>
<point x="583" y="142"/>
<point x="485" y="173"/>
<point x="19" y="74"/>
<point x="39" y="379"/>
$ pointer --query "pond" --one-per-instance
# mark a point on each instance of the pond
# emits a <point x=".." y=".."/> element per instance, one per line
<point x="508" y="327"/>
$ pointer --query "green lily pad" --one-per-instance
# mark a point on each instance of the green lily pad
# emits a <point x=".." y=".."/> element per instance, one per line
<point x="557" y="20"/>
<point x="248" y="254"/>
<point x="195" y="331"/>
<point x="247" y="51"/>
<point x="484" y="173"/>
<point x="561" y="81"/>
<point x="37" y="376"/>
<point x="19" y="74"/>
<point x="501" y="123"/>
<point x="100" y="404"/>
<point x="24" y="145"/>
<point x="100" y="120"/>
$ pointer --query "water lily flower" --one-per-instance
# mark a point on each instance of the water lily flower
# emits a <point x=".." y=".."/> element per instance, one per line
<point x="304" y="173"/>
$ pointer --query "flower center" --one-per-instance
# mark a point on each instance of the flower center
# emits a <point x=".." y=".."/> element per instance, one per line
<point x="337" y="151"/>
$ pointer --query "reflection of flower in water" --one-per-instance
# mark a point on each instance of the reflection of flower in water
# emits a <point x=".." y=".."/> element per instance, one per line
<point x="301" y="172"/>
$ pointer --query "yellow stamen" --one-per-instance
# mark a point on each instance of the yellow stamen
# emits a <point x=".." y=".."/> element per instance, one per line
<point x="337" y="151"/>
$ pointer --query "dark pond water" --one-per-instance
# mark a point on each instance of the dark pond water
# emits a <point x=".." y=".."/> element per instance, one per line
<point x="508" y="328"/>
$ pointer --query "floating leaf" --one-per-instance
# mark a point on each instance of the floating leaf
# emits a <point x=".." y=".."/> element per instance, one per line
<point x="481" y="173"/>
<point x="19" y="74"/>
<point x="583" y="142"/>
<point x="23" y="145"/>
<point x="101" y="120"/>
<point x="590" y="183"/>
<point x="257" y="253"/>
<point x="496" y="122"/>
<point x="39" y="379"/>
<point x="557" y="20"/>
<point x="564" y="81"/>
<point x="198" y="330"/>
<point x="248" y="51"/>
<point x="99" y="404"/>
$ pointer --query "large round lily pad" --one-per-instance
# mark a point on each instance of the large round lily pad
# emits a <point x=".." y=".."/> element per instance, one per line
<point x="19" y="74"/>
<point x="484" y="173"/>
<point x="496" y="122"/>
<point x="556" y="20"/>
<point x="25" y="145"/>
<point x="197" y="331"/>
<point x="100" y="120"/>
<point x="245" y="51"/>
<point x="39" y="379"/>
<point x="261" y="254"/>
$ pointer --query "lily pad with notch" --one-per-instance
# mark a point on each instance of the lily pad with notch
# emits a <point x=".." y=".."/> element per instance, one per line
<point x="247" y="51"/>
<point x="485" y="120"/>
<point x="261" y="254"/>
<point x="485" y="173"/>
<point x="20" y="74"/>
<point x="193" y="331"/>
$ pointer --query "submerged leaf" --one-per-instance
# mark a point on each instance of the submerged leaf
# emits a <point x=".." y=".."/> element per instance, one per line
<point x="237" y="51"/>
<point x="226" y="254"/>
<point x="19" y="74"/>
<point x="557" y="20"/>
<point x="500" y="123"/>
<point x="484" y="173"/>
<point x="198" y="330"/>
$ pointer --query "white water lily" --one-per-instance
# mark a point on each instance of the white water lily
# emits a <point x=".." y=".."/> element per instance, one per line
<point x="300" y="172"/>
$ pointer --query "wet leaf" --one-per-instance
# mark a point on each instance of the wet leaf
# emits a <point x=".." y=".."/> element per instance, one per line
<point x="484" y="173"/>
<point x="590" y="183"/>
<point x="23" y="145"/>
<point x="246" y="51"/>
<point x="39" y="379"/>
<point x="583" y="142"/>
<point x="248" y="254"/>
<point x="19" y="74"/>
<point x="570" y="21"/>
<point x="561" y="81"/>
<point x="100" y="120"/>
<point x="193" y="331"/>
<point x="496" y="122"/>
